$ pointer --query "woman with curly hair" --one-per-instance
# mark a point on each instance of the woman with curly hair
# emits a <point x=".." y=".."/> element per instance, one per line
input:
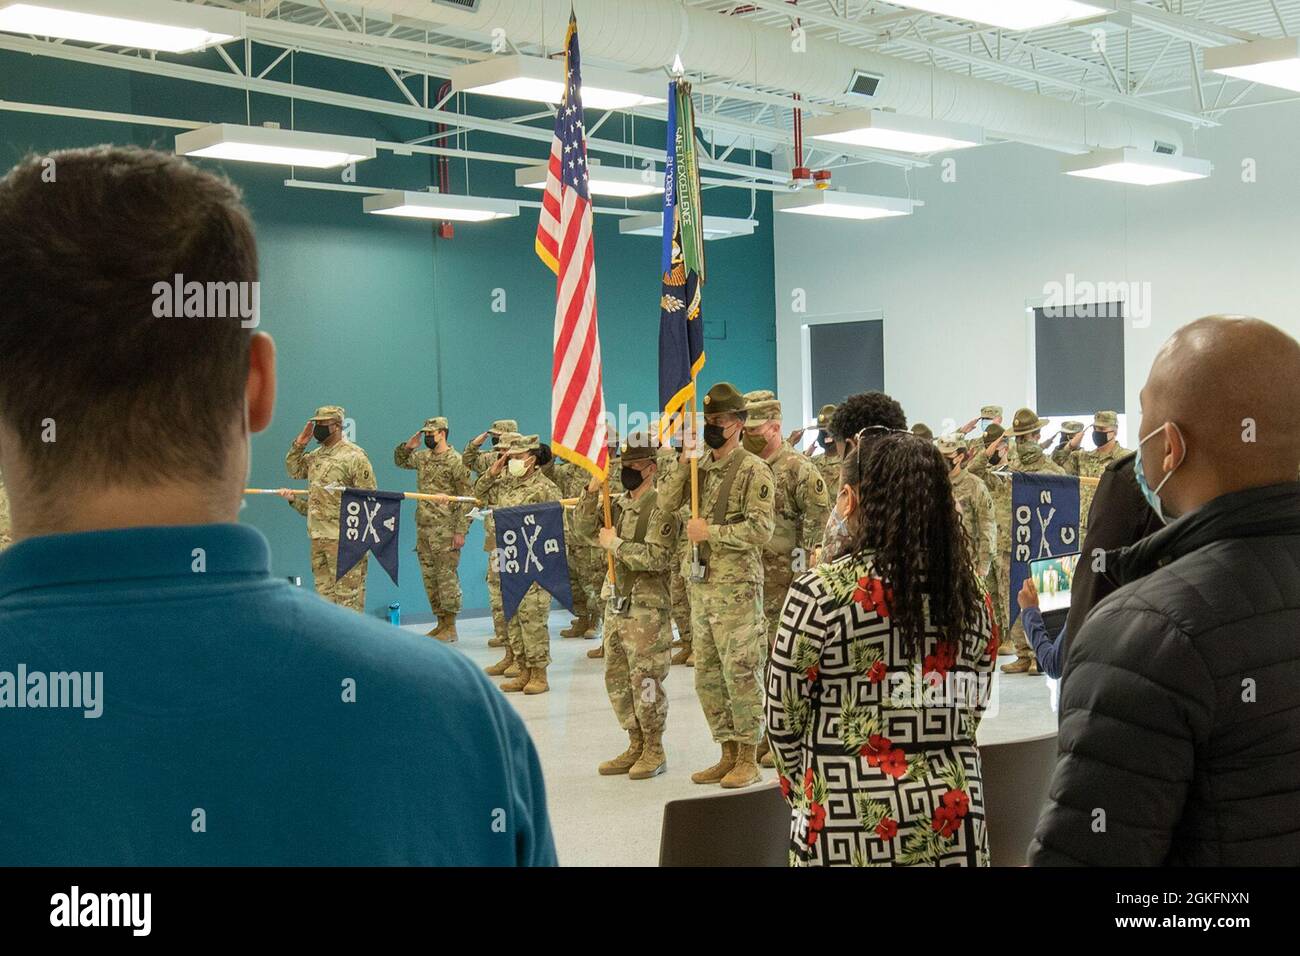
<point x="881" y="669"/>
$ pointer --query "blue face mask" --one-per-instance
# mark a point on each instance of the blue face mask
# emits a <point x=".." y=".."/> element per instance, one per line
<point x="1152" y="495"/>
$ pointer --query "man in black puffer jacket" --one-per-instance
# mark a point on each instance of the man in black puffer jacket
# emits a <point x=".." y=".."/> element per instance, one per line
<point x="1180" y="708"/>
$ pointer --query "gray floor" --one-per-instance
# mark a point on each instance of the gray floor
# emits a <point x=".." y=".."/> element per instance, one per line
<point x="614" y="821"/>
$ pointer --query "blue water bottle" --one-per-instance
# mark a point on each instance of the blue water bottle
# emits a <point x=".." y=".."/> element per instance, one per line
<point x="395" y="614"/>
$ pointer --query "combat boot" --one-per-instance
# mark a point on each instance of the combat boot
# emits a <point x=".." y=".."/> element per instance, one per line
<point x="497" y="642"/>
<point x="434" y="631"/>
<point x="1006" y="647"/>
<point x="598" y="651"/>
<point x="690" y="658"/>
<point x="536" y="681"/>
<point x="720" y="769"/>
<point x="446" y="630"/>
<point x="517" y="683"/>
<point x="653" y="761"/>
<point x="1020" y="665"/>
<point x="499" y="668"/>
<point x="624" y="761"/>
<point x="515" y="668"/>
<point x="580" y="626"/>
<point x="765" y="752"/>
<point x="683" y="654"/>
<point x="744" y="772"/>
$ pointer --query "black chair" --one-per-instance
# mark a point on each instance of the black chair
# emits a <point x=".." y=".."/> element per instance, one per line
<point x="749" y="827"/>
<point x="1016" y="778"/>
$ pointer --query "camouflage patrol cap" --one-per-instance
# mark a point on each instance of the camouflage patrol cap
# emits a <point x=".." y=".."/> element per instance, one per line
<point x="992" y="434"/>
<point x="991" y="411"/>
<point x="438" y="424"/>
<point x="1071" y="427"/>
<point x="639" y="447"/>
<point x="1026" y="422"/>
<point x="503" y="426"/>
<point x="523" y="444"/>
<point x="328" y="413"/>
<point x="825" y="415"/>
<point x="922" y="429"/>
<point x="1105" y="420"/>
<point x="951" y="443"/>
<point x="722" y="398"/>
<point x="761" y="406"/>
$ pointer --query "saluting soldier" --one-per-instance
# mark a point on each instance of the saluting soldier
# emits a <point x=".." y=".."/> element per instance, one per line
<point x="440" y="528"/>
<point x="1068" y="443"/>
<point x="478" y="460"/>
<point x="638" y="632"/>
<point x="728" y="630"/>
<point x="333" y="464"/>
<point x="515" y="479"/>
<point x="1091" y="462"/>
<point x="571" y="479"/>
<point x="978" y="517"/>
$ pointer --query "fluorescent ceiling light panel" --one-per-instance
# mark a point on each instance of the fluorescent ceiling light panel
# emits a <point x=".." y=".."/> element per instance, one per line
<point x="715" y="227"/>
<point x="602" y="180"/>
<point x="1137" y="167"/>
<point x="839" y="205"/>
<point x="142" y="24"/>
<point x="541" y="80"/>
<point x="1270" y="62"/>
<point x="1010" y="14"/>
<point x="439" y="206"/>
<point x="878" y="129"/>
<point x="269" y="144"/>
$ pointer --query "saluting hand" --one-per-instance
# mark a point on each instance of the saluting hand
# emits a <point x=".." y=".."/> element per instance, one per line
<point x="479" y="440"/>
<point x="304" y="436"/>
<point x="414" y="441"/>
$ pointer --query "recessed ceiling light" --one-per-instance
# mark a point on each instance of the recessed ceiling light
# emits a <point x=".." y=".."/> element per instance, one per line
<point x="895" y="131"/>
<point x="440" y="206"/>
<point x="541" y="80"/>
<point x="841" y="205"/>
<point x="1137" y="167"/>
<point x="1010" y="14"/>
<point x="140" y="24"/>
<point x="715" y="227"/>
<point x="1270" y="62"/>
<point x="270" y="144"/>
<point x="602" y="180"/>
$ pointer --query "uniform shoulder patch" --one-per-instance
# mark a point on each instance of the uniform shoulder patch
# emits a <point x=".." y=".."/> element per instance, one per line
<point x="820" y="486"/>
<point x="764" y="490"/>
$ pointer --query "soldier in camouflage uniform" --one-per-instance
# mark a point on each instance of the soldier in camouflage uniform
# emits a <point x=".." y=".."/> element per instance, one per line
<point x="336" y="461"/>
<point x="439" y="528"/>
<point x="637" y="629"/>
<point x="799" y="511"/>
<point x="571" y="479"/>
<point x="1027" y="429"/>
<point x="975" y="503"/>
<point x="6" y="529"/>
<point x="989" y="465"/>
<point x="991" y="415"/>
<point x="1091" y="462"/>
<point x="681" y="606"/>
<point x="728" y="630"/>
<point x="832" y="456"/>
<point x="1068" y="442"/>
<point x="514" y="479"/>
<point x="595" y="567"/>
<point x="478" y="461"/>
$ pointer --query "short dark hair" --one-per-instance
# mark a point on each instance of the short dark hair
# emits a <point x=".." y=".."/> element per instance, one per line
<point x="133" y="397"/>
<point x="866" y="410"/>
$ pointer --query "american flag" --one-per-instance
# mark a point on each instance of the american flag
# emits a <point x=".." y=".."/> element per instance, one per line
<point x="564" y="243"/>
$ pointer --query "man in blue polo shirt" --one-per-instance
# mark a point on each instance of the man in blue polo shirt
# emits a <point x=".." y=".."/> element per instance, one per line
<point x="163" y="699"/>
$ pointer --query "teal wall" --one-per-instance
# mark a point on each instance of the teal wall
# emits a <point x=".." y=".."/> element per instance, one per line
<point x="388" y="320"/>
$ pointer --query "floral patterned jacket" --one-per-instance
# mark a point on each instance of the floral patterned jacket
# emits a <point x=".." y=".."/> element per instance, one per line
<point x="875" y="749"/>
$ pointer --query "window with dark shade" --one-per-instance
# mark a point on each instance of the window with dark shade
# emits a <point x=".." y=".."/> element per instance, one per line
<point x="846" y="358"/>
<point x="1079" y="358"/>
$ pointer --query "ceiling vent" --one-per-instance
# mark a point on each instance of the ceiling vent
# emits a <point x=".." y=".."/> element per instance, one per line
<point x="1165" y="149"/>
<point x="864" y="84"/>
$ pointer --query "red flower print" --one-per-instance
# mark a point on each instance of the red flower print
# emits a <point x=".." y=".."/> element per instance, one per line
<point x="785" y="786"/>
<point x="808" y="784"/>
<point x="877" y="672"/>
<point x="812" y="672"/>
<point x="894" y="763"/>
<point x="887" y="829"/>
<point x="992" y="649"/>
<point x="942" y="660"/>
<point x="958" y="801"/>
<point x="874" y="749"/>
<point x="872" y="594"/>
<point x="816" y="820"/>
<point x="946" y="821"/>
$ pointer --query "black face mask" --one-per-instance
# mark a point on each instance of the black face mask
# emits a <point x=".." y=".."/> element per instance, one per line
<point x="715" y="436"/>
<point x="995" y="458"/>
<point x="630" y="477"/>
<point x="825" y="440"/>
<point x="1099" y="437"/>
<point x="430" y="441"/>
<point x="492" y="441"/>
<point x="321" y="432"/>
